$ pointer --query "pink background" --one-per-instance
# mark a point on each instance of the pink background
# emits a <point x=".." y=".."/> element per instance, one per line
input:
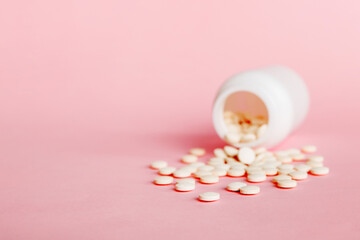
<point x="92" y="91"/>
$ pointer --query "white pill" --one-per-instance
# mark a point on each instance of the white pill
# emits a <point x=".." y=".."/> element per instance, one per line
<point x="236" y="172"/>
<point x="189" y="158"/>
<point x="286" y="159"/>
<point x="209" y="196"/>
<point x="298" y="157"/>
<point x="167" y="170"/>
<point x="216" y="160"/>
<point x="189" y="168"/>
<point x="261" y="130"/>
<point x="200" y="174"/>
<point x="197" y="164"/>
<point x="249" y="190"/>
<point x="281" y="154"/>
<point x="231" y="160"/>
<point x="285" y="171"/>
<point x="298" y="175"/>
<point x="303" y="167"/>
<point x="185" y="180"/>
<point x="319" y="171"/>
<point x="253" y="170"/>
<point x="256" y="177"/>
<point x="233" y="137"/>
<point x="184" y="187"/>
<point x="182" y="173"/>
<point x="231" y="151"/>
<point x="293" y="151"/>
<point x="225" y="167"/>
<point x="248" y="137"/>
<point x="286" y="167"/>
<point x="237" y="167"/>
<point x="314" y="164"/>
<point x="281" y="177"/>
<point x="246" y="155"/>
<point x="218" y="152"/>
<point x="286" y="183"/>
<point x="272" y="171"/>
<point x="270" y="165"/>
<point x="235" y="186"/>
<point x="206" y="168"/>
<point x="197" y="151"/>
<point x="316" y="158"/>
<point x="260" y="150"/>
<point x="309" y="149"/>
<point x="209" y="179"/>
<point x="163" y="180"/>
<point x="219" y="172"/>
<point x="158" y="164"/>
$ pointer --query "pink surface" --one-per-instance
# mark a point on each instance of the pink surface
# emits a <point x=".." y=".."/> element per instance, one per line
<point x="92" y="91"/>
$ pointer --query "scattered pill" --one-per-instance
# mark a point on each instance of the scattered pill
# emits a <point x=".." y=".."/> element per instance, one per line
<point x="158" y="164"/>
<point x="314" y="164"/>
<point x="184" y="187"/>
<point x="286" y="183"/>
<point x="235" y="186"/>
<point x="206" y="168"/>
<point x="286" y="167"/>
<point x="189" y="158"/>
<point x="209" y="179"/>
<point x="216" y="160"/>
<point x="236" y="172"/>
<point x="298" y="175"/>
<point x="209" y="196"/>
<point x="316" y="158"/>
<point x="233" y="137"/>
<point x="182" y="173"/>
<point x="285" y="159"/>
<point x="250" y="190"/>
<point x="256" y="177"/>
<point x="281" y="177"/>
<point x="197" y="151"/>
<point x="231" y="151"/>
<point x="200" y="174"/>
<point x="260" y="150"/>
<point x="298" y="157"/>
<point x="197" y="164"/>
<point x="246" y="155"/>
<point x="293" y="151"/>
<point x="163" y="180"/>
<point x="218" y="152"/>
<point x="303" y="167"/>
<point x="219" y="172"/>
<point x="185" y="180"/>
<point x="272" y="171"/>
<point x="309" y="149"/>
<point x="167" y="170"/>
<point x="319" y="171"/>
<point x="248" y="137"/>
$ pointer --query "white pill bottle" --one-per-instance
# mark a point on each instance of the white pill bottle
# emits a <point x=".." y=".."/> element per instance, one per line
<point x="275" y="92"/>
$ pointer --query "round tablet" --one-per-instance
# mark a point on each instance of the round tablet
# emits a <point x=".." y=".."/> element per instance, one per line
<point x="285" y="171"/>
<point x="209" y="196"/>
<point x="158" y="164"/>
<point x="235" y="186"/>
<point x="271" y="171"/>
<point x="184" y="187"/>
<point x="281" y="177"/>
<point x="189" y="168"/>
<point x="231" y="151"/>
<point x="309" y="149"/>
<point x="219" y="172"/>
<point x="197" y="164"/>
<point x="206" y="168"/>
<point x="252" y="170"/>
<point x="256" y="177"/>
<point x="303" y="167"/>
<point x="182" y="173"/>
<point x="316" y="158"/>
<point x="250" y="190"/>
<point x="197" y="151"/>
<point x="286" y="159"/>
<point x="163" y="180"/>
<point x="314" y="164"/>
<point x="260" y="150"/>
<point x="185" y="180"/>
<point x="167" y="170"/>
<point x="286" y="167"/>
<point x="298" y="157"/>
<point x="216" y="160"/>
<point x="246" y="155"/>
<point x="200" y="174"/>
<point x="209" y="179"/>
<point x="298" y="175"/>
<point x="218" y="152"/>
<point x="236" y="172"/>
<point x="222" y="166"/>
<point x="286" y="183"/>
<point x="189" y="158"/>
<point x="293" y="151"/>
<point x="319" y="171"/>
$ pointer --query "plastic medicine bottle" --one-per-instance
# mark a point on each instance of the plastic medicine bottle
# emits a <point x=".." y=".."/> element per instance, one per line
<point x="275" y="92"/>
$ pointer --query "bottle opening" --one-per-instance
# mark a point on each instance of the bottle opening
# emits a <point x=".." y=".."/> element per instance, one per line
<point x="245" y="117"/>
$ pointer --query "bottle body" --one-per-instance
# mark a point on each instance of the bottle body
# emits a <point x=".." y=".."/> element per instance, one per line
<point x="276" y="93"/>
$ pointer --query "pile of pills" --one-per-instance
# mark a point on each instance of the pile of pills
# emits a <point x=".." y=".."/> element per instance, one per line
<point x="285" y="168"/>
<point x="243" y="127"/>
